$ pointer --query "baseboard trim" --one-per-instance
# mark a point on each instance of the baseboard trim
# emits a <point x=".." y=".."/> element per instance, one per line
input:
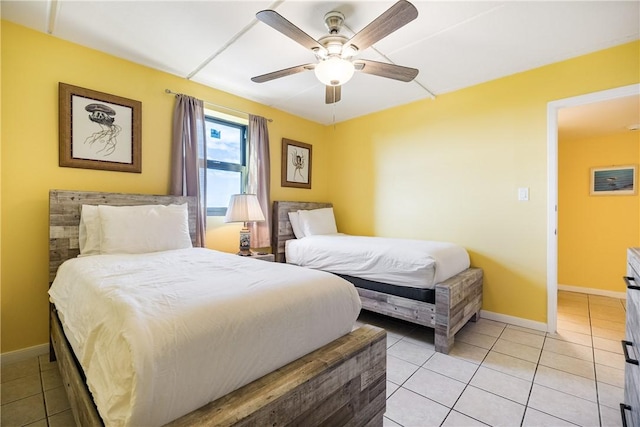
<point x="23" y="354"/>
<point x="592" y="291"/>
<point x="512" y="320"/>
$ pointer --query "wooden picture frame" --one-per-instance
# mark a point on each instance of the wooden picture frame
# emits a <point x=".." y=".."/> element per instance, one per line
<point x="614" y="181"/>
<point x="296" y="164"/>
<point x="98" y="130"/>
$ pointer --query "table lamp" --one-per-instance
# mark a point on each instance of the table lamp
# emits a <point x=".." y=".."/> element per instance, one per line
<point x="244" y="208"/>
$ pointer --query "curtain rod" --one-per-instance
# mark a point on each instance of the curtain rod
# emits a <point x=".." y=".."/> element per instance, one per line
<point x="215" y="105"/>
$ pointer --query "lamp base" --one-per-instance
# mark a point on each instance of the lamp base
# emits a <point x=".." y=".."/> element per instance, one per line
<point x="245" y="242"/>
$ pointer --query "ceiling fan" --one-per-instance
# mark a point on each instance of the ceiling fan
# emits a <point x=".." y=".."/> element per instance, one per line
<point x="335" y="53"/>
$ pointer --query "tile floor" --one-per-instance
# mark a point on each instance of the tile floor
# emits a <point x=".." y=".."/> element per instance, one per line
<point x="497" y="374"/>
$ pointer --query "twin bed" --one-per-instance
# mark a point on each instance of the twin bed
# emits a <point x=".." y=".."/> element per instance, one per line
<point x="427" y="283"/>
<point x="150" y="331"/>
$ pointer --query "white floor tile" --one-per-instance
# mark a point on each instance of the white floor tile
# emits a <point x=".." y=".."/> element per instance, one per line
<point x="527" y="330"/>
<point x="468" y="352"/>
<point x="421" y="336"/>
<point x="517" y="336"/>
<point x="510" y="365"/>
<point x="574" y="326"/>
<point x="535" y="418"/>
<point x="609" y="334"/>
<point x="504" y="385"/>
<point x="452" y="367"/>
<point x="398" y="370"/>
<point x="613" y="346"/>
<point x="564" y="406"/>
<point x="489" y="408"/>
<point x="569" y="349"/>
<point x="437" y="387"/>
<point x="610" y="417"/>
<point x="386" y="422"/>
<point x="409" y="352"/>
<point x="567" y="383"/>
<point x="521" y="351"/>
<point x="570" y="336"/>
<point x="609" y="375"/>
<point x="610" y="396"/>
<point x="485" y="326"/>
<point x="569" y="364"/>
<point x="456" y="419"/>
<point x="410" y="409"/>
<point x="391" y="388"/>
<point x="475" y="338"/>
<point x="607" y="358"/>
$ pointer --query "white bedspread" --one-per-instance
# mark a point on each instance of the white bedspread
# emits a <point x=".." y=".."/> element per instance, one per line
<point x="403" y="262"/>
<point x="161" y="334"/>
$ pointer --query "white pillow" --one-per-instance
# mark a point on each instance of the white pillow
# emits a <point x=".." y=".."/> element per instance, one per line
<point x="317" y="221"/>
<point x="143" y="229"/>
<point x="294" y="219"/>
<point x="89" y="232"/>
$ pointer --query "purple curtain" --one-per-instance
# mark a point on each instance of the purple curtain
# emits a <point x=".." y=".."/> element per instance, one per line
<point x="260" y="179"/>
<point x="188" y="175"/>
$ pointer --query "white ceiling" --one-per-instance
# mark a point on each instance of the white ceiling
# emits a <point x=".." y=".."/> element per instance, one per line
<point x="454" y="44"/>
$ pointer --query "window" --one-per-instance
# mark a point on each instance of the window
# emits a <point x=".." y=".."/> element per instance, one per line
<point x="226" y="144"/>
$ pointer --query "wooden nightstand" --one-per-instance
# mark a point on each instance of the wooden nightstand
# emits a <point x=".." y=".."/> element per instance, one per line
<point x="265" y="257"/>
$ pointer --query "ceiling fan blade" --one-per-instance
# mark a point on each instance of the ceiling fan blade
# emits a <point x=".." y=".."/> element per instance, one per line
<point x="382" y="69"/>
<point x="280" y="23"/>
<point x="333" y="94"/>
<point x="396" y="17"/>
<point x="282" y="73"/>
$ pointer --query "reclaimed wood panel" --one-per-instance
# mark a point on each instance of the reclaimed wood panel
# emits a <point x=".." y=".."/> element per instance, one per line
<point x="413" y="311"/>
<point x="632" y="341"/>
<point x="343" y="383"/>
<point x="64" y="218"/>
<point x="281" y="226"/>
<point x="80" y="400"/>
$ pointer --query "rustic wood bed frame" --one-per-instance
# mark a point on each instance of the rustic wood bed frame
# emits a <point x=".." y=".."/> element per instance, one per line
<point x="458" y="299"/>
<point x="342" y="383"/>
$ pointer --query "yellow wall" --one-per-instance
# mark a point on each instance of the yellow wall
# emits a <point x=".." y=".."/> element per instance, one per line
<point x="449" y="169"/>
<point x="595" y="231"/>
<point x="445" y="169"/>
<point x="32" y="65"/>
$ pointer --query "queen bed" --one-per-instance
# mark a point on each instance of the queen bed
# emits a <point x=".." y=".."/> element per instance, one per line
<point x="427" y="283"/>
<point x="188" y="336"/>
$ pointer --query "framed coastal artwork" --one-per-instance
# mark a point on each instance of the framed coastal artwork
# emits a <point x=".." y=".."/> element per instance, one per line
<point x="98" y="130"/>
<point x="296" y="164"/>
<point x="614" y="181"/>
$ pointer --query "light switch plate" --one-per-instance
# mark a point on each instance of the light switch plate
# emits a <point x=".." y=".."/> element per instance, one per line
<point x="523" y="193"/>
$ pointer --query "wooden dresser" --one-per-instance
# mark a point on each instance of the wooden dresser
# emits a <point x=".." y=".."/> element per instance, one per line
<point x="630" y="409"/>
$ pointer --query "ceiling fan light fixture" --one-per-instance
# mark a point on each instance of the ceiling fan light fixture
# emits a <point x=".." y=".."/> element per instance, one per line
<point x="348" y="51"/>
<point x="334" y="71"/>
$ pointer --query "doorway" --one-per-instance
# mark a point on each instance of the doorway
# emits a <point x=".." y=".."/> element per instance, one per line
<point x="553" y="109"/>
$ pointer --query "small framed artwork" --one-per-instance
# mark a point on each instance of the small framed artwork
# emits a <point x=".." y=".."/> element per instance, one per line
<point x="614" y="181"/>
<point x="296" y="164"/>
<point x="98" y="130"/>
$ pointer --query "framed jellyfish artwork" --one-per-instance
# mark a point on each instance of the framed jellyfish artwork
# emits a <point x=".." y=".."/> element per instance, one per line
<point x="296" y="164"/>
<point x="99" y="130"/>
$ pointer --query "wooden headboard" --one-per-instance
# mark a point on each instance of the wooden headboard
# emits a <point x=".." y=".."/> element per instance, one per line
<point x="64" y="218"/>
<point x="281" y="228"/>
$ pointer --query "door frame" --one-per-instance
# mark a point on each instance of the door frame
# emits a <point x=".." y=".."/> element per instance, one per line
<point x="553" y="108"/>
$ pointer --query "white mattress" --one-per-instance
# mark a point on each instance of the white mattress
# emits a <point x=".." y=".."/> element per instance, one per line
<point x="161" y="334"/>
<point x="402" y="262"/>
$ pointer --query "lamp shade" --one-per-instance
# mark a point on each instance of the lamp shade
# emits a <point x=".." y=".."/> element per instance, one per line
<point x="244" y="208"/>
<point x="334" y="71"/>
